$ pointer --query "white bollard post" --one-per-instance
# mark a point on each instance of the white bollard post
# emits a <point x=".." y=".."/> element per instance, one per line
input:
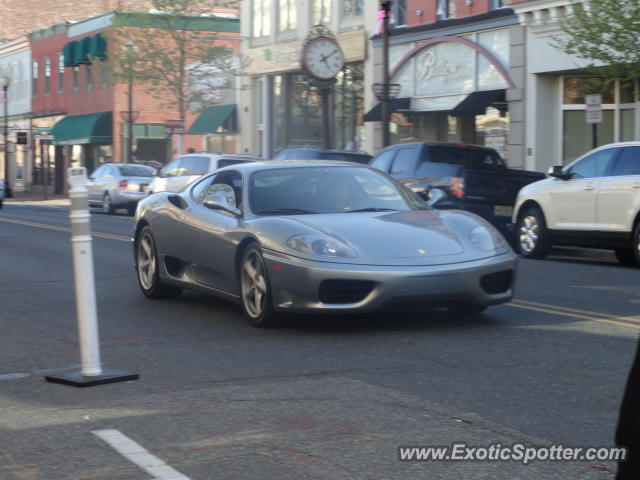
<point x="91" y="372"/>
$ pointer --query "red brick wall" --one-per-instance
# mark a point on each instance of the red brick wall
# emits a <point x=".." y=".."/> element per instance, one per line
<point x="428" y="8"/>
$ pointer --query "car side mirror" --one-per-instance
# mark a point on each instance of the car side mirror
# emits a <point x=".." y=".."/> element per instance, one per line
<point x="435" y="195"/>
<point x="222" y="197"/>
<point x="557" y="172"/>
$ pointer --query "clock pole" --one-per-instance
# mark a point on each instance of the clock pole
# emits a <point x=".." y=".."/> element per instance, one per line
<point x="325" y="92"/>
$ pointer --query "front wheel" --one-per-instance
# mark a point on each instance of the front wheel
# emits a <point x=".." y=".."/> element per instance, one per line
<point x="255" y="291"/>
<point x="631" y="256"/>
<point x="533" y="236"/>
<point x="148" y="266"/>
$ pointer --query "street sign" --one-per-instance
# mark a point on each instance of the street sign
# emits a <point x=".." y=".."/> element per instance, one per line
<point x="594" y="108"/>
<point x="172" y="127"/>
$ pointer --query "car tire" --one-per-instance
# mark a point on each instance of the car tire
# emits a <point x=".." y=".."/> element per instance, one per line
<point x="467" y="309"/>
<point x="148" y="268"/>
<point x="131" y="210"/>
<point x="1" y="203"/>
<point x="533" y="239"/>
<point x="631" y="256"/>
<point x="107" y="204"/>
<point x="255" y="289"/>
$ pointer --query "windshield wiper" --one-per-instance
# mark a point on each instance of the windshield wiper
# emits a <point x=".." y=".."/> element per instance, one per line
<point x="372" y="209"/>
<point x="284" y="211"/>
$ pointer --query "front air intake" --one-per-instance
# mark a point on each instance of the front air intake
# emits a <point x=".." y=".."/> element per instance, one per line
<point x="345" y="291"/>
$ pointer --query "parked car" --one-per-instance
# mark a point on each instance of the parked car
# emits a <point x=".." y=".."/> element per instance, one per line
<point x="188" y="167"/>
<point x="592" y="202"/>
<point x="317" y="236"/>
<point x="314" y="153"/>
<point x="474" y="178"/>
<point x="119" y="185"/>
<point x="1" y="192"/>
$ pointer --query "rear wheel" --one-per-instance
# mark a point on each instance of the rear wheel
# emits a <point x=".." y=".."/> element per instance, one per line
<point x="533" y="236"/>
<point x="107" y="204"/>
<point x="148" y="268"/>
<point x="631" y="256"/>
<point x="255" y="291"/>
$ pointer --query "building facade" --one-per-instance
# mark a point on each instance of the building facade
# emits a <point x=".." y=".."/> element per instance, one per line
<point x="279" y="106"/>
<point x="15" y="58"/>
<point x="452" y="64"/>
<point x="554" y="88"/>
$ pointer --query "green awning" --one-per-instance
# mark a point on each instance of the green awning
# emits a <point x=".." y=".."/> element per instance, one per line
<point x="212" y="118"/>
<point x="98" y="46"/>
<point x="69" y="53"/>
<point x="83" y="129"/>
<point x="82" y="52"/>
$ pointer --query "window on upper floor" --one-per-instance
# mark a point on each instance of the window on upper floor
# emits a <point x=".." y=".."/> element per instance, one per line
<point x="75" y="79"/>
<point x="287" y="19"/>
<point x="60" y="71"/>
<point x="261" y="18"/>
<point x="104" y="77"/>
<point x="399" y="13"/>
<point x="321" y="11"/>
<point x="89" y="77"/>
<point x="35" y="73"/>
<point x="495" y="4"/>
<point x="445" y="9"/>
<point x="47" y="76"/>
<point x="351" y="8"/>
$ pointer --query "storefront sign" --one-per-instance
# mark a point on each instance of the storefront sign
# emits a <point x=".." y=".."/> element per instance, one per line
<point x="286" y="57"/>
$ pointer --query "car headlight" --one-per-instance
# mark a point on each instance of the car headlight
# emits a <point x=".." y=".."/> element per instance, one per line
<point x="487" y="240"/>
<point x="320" y="245"/>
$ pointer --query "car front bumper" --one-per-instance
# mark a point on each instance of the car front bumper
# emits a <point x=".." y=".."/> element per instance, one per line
<point x="297" y="284"/>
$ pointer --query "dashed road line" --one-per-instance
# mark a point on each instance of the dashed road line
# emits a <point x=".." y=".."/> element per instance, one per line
<point x="63" y="229"/>
<point x="137" y="454"/>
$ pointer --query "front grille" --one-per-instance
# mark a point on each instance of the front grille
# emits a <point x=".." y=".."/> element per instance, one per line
<point x="498" y="282"/>
<point x="345" y="291"/>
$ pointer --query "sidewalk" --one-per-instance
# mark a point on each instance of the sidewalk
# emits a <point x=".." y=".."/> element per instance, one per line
<point x="37" y="197"/>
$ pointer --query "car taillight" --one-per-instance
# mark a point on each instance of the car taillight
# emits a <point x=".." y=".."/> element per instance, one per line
<point x="123" y="183"/>
<point x="457" y="187"/>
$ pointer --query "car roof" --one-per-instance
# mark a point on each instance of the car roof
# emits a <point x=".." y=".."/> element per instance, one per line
<point x="218" y="155"/>
<point x="443" y="144"/>
<point x="251" y="167"/>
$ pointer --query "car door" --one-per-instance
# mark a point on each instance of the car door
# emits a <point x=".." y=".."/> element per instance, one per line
<point x="92" y="185"/>
<point x="619" y="193"/>
<point x="573" y="200"/>
<point x="211" y="234"/>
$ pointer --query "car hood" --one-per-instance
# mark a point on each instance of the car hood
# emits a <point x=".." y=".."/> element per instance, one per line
<point x="414" y="237"/>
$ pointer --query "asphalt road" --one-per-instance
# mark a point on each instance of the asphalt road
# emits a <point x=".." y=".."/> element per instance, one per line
<point x="313" y="398"/>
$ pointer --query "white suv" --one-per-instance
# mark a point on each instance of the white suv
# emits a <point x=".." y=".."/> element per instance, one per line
<point x="186" y="168"/>
<point x="592" y="202"/>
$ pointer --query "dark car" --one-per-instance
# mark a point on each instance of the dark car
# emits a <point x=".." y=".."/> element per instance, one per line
<point x="314" y="153"/>
<point x="474" y="178"/>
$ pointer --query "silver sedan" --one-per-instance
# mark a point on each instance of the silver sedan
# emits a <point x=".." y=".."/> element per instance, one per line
<point x="317" y="236"/>
<point x="119" y="185"/>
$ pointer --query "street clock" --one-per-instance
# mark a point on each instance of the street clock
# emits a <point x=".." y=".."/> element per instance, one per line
<point x="322" y="58"/>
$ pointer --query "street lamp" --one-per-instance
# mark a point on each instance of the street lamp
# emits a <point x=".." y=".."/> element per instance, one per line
<point x="385" y="9"/>
<point x="4" y="83"/>
<point x="129" y="54"/>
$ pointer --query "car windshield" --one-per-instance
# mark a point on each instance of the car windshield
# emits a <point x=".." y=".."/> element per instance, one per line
<point x="306" y="190"/>
<point x="136" y="171"/>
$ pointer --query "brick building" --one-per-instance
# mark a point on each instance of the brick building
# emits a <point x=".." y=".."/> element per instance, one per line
<point x="82" y="116"/>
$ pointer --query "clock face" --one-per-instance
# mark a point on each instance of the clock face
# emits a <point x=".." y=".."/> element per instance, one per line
<point x="323" y="58"/>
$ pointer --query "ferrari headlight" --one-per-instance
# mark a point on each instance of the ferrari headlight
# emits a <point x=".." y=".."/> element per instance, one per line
<point x="320" y="245"/>
<point x="487" y="240"/>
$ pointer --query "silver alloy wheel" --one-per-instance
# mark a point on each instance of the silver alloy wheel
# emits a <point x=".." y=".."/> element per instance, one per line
<point x="146" y="261"/>
<point x="106" y="203"/>
<point x="528" y="233"/>
<point x="253" y="284"/>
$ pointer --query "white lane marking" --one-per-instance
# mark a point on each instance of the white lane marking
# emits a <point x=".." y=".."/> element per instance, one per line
<point x="138" y="455"/>
<point x="13" y="376"/>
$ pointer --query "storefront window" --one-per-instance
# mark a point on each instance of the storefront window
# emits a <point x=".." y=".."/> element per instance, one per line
<point x="492" y="129"/>
<point x="576" y="88"/>
<point x="627" y="124"/>
<point x="349" y="108"/>
<point x="60" y="71"/>
<point x="577" y="133"/>
<point x="627" y="92"/>
<point x="261" y="18"/>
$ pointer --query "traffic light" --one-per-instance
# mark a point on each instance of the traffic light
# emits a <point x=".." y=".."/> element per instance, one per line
<point x="21" y="138"/>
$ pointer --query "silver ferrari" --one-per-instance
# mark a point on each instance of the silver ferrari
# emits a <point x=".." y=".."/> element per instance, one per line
<point x="294" y="236"/>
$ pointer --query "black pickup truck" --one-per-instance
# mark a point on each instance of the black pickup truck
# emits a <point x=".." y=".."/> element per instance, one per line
<point x="474" y="178"/>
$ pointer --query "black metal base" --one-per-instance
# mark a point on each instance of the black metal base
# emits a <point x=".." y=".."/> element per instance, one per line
<point x="75" y="379"/>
